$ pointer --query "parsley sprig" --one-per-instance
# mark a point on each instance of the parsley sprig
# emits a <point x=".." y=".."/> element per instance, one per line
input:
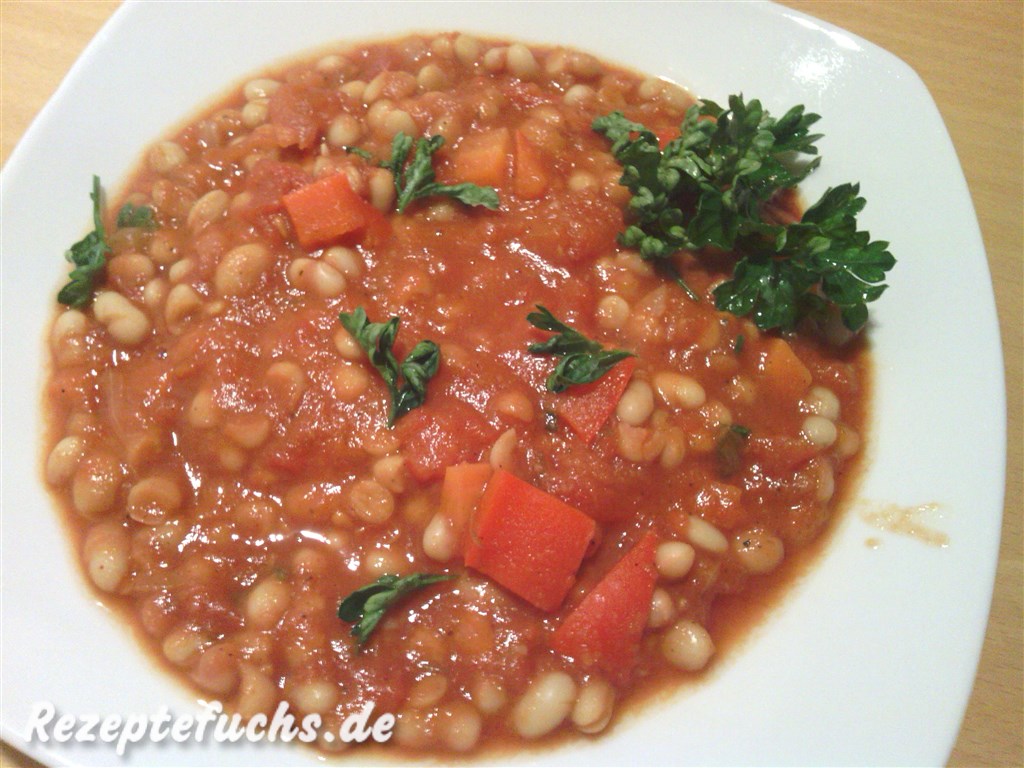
<point x="583" y="360"/>
<point x="407" y="381"/>
<point x="140" y="216"/>
<point x="367" y="605"/>
<point x="89" y="255"/>
<point x="707" y="188"/>
<point x="415" y="178"/>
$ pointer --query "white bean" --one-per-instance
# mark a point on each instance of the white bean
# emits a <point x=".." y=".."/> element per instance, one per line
<point x="687" y="645"/>
<point x="546" y="703"/>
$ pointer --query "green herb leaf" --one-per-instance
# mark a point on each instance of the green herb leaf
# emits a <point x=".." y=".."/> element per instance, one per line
<point x="89" y="255"/>
<point x="583" y="360"/>
<point x="708" y="187"/>
<point x="729" y="449"/>
<point x="367" y="605"/>
<point x="415" y="179"/>
<point x="407" y="382"/>
<point x="135" y="216"/>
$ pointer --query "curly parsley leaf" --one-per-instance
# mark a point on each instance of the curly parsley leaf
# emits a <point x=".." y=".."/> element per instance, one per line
<point x="415" y="178"/>
<point x="406" y="381"/>
<point x="583" y="361"/>
<point x="367" y="605"/>
<point x="822" y="259"/>
<point x="89" y="255"/>
<point x="136" y="216"/>
<point x="708" y="187"/>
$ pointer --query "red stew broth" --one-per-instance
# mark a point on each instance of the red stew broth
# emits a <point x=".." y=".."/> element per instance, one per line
<point x="219" y="442"/>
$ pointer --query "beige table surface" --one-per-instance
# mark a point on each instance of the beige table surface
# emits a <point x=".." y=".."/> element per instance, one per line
<point x="968" y="53"/>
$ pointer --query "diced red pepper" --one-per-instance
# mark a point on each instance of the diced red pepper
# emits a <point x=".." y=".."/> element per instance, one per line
<point x="605" y="629"/>
<point x="327" y="209"/>
<point x="528" y="541"/>
<point x="587" y="407"/>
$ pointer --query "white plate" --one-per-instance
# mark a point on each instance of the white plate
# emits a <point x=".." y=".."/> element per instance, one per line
<point x="869" y="660"/>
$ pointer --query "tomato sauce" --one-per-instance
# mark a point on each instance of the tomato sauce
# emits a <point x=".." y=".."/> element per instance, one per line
<point x="221" y="446"/>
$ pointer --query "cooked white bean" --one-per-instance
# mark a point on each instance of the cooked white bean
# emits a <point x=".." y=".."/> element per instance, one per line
<point x="521" y="62"/>
<point x="822" y="401"/>
<point x="182" y="303"/>
<point x="678" y="390"/>
<point x="546" y="703"/>
<point x="612" y="312"/>
<point x="345" y="130"/>
<point x="317" y="696"/>
<point x="663" y="610"/>
<point x="106" y="552"/>
<point x="128" y="324"/>
<point x="759" y="551"/>
<point x="166" y="156"/>
<point x="371" y="502"/>
<point x="153" y="499"/>
<point x="260" y="88"/>
<point x="636" y="404"/>
<point x="819" y="431"/>
<point x="703" y="534"/>
<point x="95" y="485"/>
<point x="316" y="277"/>
<point x="594" y="706"/>
<point x="266" y="603"/>
<point x="208" y="208"/>
<point x="439" y="540"/>
<point x="241" y="269"/>
<point x="461" y="726"/>
<point x="503" y="450"/>
<point x="64" y="459"/>
<point x="674" y="559"/>
<point x="687" y="645"/>
<point x="345" y="260"/>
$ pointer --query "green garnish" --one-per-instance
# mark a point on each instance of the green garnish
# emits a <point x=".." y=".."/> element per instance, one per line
<point x="738" y="342"/>
<point x="707" y="188"/>
<point x="415" y="179"/>
<point x="135" y="216"/>
<point x="729" y="449"/>
<point x="89" y="255"/>
<point x="583" y="360"/>
<point x="407" y="381"/>
<point x="367" y="605"/>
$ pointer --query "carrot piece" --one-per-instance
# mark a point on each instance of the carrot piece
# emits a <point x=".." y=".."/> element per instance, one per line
<point x="327" y="209"/>
<point x="587" y="407"/>
<point x="482" y="158"/>
<point x="460" y="493"/>
<point x="605" y="629"/>
<point x="781" y="372"/>
<point x="531" y="169"/>
<point x="528" y="541"/>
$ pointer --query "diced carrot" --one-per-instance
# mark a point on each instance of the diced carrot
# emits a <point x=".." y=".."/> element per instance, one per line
<point x="435" y="438"/>
<point x="781" y="373"/>
<point x="587" y="407"/>
<point x="326" y="210"/>
<point x="528" y="541"/>
<point x="482" y="158"/>
<point x="460" y="493"/>
<point x="605" y="629"/>
<point x="530" y="179"/>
